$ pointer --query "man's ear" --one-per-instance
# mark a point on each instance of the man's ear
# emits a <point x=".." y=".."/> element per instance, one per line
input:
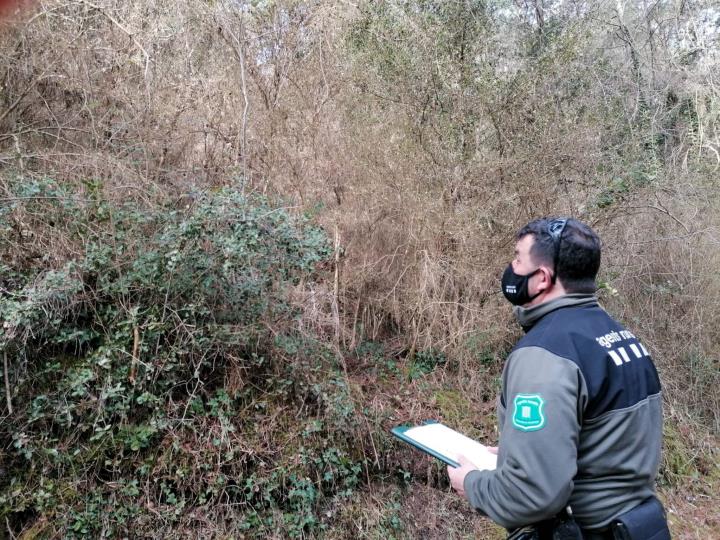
<point x="545" y="282"/>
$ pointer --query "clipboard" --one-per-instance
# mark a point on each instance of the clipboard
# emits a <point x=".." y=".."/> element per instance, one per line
<point x="399" y="432"/>
<point x="444" y="443"/>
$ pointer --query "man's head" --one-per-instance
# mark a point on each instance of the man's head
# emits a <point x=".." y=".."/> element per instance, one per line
<point x="559" y="256"/>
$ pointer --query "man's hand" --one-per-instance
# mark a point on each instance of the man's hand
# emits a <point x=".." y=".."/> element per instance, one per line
<point x="457" y="474"/>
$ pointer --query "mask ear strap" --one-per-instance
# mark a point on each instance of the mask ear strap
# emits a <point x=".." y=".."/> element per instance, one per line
<point x="534" y="296"/>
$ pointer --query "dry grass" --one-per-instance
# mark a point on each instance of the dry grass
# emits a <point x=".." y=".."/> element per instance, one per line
<point x="151" y="101"/>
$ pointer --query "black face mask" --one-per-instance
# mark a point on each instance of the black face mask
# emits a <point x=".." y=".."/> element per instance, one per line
<point x="515" y="286"/>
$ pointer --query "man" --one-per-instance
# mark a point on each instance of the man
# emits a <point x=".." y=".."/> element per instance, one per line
<point x="580" y="411"/>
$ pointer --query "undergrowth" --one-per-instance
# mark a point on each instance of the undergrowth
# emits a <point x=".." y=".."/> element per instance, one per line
<point x="160" y="369"/>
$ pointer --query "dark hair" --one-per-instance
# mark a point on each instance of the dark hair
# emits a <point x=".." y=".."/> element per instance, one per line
<point x="578" y="253"/>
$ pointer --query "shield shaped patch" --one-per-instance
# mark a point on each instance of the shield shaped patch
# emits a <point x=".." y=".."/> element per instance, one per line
<point x="528" y="414"/>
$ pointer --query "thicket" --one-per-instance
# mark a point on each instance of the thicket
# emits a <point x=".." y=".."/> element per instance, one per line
<point x="151" y="369"/>
<point x="240" y="240"/>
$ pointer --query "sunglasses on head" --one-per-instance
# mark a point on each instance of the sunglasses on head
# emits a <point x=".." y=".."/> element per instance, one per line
<point x="555" y="229"/>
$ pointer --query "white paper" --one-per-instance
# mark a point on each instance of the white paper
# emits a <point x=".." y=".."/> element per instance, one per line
<point x="450" y="443"/>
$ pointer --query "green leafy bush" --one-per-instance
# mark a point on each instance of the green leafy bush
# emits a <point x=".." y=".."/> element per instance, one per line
<point x="150" y="369"/>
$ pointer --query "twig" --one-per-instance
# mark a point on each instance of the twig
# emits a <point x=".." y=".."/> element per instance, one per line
<point x="124" y="30"/>
<point x="9" y="529"/>
<point x="18" y="150"/>
<point x="660" y="208"/>
<point x="666" y="211"/>
<point x="372" y="442"/>
<point x="241" y="56"/>
<point x="25" y="92"/>
<point x="41" y="198"/>
<point x="135" y="352"/>
<point x="7" y="383"/>
<point x="238" y="47"/>
<point x="336" y="291"/>
<point x="354" y="324"/>
<point x="717" y="155"/>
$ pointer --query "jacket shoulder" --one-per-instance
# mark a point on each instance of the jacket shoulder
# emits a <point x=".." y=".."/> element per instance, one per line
<point x="616" y="367"/>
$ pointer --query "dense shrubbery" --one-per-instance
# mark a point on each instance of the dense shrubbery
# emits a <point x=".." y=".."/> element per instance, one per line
<point x="149" y="370"/>
<point x="163" y="379"/>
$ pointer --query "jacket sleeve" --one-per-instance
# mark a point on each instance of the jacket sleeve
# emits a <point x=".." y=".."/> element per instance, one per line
<point x="544" y="399"/>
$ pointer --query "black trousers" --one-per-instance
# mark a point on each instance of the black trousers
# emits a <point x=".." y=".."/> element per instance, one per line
<point x="544" y="531"/>
<point x="597" y="535"/>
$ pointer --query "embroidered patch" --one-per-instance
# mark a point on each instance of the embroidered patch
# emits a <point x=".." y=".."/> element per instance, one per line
<point x="528" y="414"/>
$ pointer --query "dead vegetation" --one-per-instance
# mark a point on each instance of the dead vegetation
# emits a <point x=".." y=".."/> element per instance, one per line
<point x="420" y="135"/>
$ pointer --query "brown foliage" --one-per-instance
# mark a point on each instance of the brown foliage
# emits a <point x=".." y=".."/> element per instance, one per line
<point x="422" y="175"/>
